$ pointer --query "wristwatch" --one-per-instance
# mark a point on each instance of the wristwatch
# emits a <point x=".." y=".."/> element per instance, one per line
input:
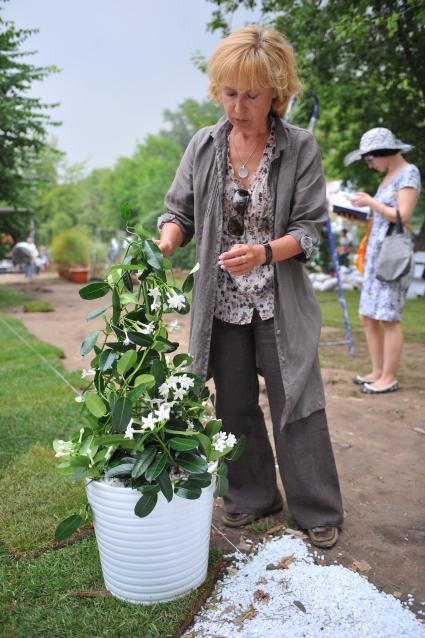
<point x="269" y="253"/>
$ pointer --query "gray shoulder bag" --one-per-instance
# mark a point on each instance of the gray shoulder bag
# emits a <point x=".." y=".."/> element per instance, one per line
<point x="396" y="255"/>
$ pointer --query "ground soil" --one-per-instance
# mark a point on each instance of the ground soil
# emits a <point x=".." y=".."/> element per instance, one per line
<point x="379" y="444"/>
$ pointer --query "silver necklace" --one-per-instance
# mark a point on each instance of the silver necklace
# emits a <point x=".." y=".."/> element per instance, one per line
<point x="243" y="169"/>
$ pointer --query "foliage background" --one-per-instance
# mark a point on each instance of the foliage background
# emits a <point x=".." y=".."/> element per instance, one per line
<point x="362" y="58"/>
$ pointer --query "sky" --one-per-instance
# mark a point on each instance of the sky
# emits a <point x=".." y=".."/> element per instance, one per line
<point x="123" y="62"/>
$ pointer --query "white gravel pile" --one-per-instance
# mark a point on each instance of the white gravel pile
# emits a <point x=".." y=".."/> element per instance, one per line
<point x="280" y="592"/>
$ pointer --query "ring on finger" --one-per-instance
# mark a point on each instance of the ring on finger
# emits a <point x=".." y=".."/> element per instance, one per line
<point x="244" y="259"/>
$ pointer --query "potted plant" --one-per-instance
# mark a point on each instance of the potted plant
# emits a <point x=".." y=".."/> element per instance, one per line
<point x="71" y="252"/>
<point x="148" y="446"/>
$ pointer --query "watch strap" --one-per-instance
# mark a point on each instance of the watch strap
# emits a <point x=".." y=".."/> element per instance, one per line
<point x="269" y="253"/>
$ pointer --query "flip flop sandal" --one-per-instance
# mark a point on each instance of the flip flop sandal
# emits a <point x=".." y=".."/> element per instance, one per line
<point x="358" y="380"/>
<point x="392" y="387"/>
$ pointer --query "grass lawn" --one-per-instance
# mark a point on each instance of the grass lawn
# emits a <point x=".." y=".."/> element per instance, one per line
<point x="10" y="298"/>
<point x="40" y="596"/>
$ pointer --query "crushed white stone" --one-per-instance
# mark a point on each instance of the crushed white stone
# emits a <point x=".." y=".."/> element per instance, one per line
<point x="303" y="600"/>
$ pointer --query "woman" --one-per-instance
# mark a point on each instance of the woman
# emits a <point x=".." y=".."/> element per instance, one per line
<point x="252" y="191"/>
<point x="381" y="303"/>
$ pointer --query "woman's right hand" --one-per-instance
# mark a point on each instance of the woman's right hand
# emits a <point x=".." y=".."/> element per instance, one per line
<point x="165" y="246"/>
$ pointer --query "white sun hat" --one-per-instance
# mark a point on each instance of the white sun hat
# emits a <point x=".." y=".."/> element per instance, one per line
<point x="377" y="139"/>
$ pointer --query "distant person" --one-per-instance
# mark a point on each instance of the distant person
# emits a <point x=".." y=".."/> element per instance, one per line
<point x="345" y="248"/>
<point x="381" y="303"/>
<point x="24" y="254"/>
<point x="42" y="261"/>
<point x="114" y="249"/>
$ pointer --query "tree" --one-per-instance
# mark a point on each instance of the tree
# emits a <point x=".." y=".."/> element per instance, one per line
<point x="22" y="118"/>
<point x="364" y="60"/>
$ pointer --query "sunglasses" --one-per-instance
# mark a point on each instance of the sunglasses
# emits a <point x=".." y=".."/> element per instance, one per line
<point x="240" y="202"/>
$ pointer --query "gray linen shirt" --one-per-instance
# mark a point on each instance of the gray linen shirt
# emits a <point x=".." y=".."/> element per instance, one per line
<point x="195" y="203"/>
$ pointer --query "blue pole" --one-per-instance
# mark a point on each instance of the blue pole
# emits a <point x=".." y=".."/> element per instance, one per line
<point x="341" y="297"/>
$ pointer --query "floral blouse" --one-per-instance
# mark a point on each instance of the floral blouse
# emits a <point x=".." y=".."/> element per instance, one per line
<point x="238" y="297"/>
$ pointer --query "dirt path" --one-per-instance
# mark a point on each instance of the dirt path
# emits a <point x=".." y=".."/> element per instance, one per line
<point x="380" y="455"/>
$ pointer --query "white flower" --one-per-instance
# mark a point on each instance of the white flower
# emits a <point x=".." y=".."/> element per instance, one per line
<point x="79" y="399"/>
<point x="163" y="390"/>
<point x="179" y="393"/>
<point x="129" y="433"/>
<point x="174" y="326"/>
<point x="63" y="448"/>
<point x="126" y="340"/>
<point x="164" y="412"/>
<point x="221" y="441"/>
<point x="190" y="425"/>
<point x="87" y="373"/>
<point x="146" y="328"/>
<point x="149" y="422"/>
<point x="109" y="452"/>
<point x="175" y="300"/>
<point x="156" y="298"/>
<point x="185" y="381"/>
<point x="81" y="435"/>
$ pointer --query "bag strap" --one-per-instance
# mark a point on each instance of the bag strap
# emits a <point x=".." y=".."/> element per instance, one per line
<point x="397" y="225"/>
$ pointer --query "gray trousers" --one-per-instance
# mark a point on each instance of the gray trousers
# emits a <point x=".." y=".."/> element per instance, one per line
<point x="303" y="448"/>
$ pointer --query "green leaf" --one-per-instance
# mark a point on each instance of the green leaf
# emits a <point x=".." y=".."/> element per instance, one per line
<point x="125" y="212"/>
<point x="126" y="362"/>
<point x="213" y="427"/>
<point x="89" y="342"/>
<point x="67" y="527"/>
<point x="121" y="414"/>
<point x="192" y="463"/>
<point x="107" y="359"/>
<point x="145" y="379"/>
<point x="205" y="442"/>
<point x="128" y="297"/>
<point x="158" y="371"/>
<point x="145" y="505"/>
<point x="189" y="493"/>
<point x="222" y="482"/>
<point x="95" y="405"/>
<point x="141" y="231"/>
<point x="116" y="306"/>
<point x="237" y="451"/>
<point x="182" y="445"/>
<point x="96" y="313"/>
<point x="157" y="467"/>
<point x="200" y="480"/>
<point x="94" y="290"/>
<point x="182" y="359"/>
<point x="139" y="339"/>
<point x="149" y="489"/>
<point x="188" y="282"/>
<point x="124" y="469"/>
<point x="166" y="485"/>
<point x="128" y="282"/>
<point x="154" y="256"/>
<point x="163" y="345"/>
<point x="143" y="462"/>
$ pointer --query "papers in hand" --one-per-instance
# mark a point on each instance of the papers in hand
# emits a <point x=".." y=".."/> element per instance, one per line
<point x="342" y="205"/>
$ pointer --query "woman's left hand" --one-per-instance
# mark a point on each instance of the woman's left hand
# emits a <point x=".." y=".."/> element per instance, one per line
<point x="242" y="258"/>
<point x="362" y="199"/>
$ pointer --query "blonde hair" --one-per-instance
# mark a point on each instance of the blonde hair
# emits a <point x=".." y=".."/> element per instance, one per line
<point x="255" y="57"/>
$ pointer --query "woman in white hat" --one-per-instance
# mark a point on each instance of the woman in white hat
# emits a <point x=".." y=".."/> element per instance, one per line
<point x="381" y="303"/>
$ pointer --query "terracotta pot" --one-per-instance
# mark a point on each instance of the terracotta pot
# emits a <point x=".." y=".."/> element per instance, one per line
<point x="63" y="272"/>
<point x="78" y="275"/>
<point x="152" y="559"/>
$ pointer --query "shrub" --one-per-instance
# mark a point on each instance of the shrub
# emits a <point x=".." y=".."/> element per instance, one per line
<point x="71" y="248"/>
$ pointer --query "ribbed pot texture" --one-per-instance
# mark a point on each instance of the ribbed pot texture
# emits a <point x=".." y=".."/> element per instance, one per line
<point x="152" y="559"/>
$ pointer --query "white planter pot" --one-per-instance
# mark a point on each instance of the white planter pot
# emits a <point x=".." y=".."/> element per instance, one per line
<point x="152" y="559"/>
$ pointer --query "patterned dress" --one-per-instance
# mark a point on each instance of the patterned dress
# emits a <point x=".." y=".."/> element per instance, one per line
<point x="381" y="300"/>
<point x="237" y="297"/>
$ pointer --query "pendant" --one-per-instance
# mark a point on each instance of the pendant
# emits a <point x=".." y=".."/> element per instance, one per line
<point x="243" y="171"/>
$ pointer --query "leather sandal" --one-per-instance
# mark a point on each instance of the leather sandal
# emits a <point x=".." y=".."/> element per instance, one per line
<point x="239" y="519"/>
<point x="323" y="536"/>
